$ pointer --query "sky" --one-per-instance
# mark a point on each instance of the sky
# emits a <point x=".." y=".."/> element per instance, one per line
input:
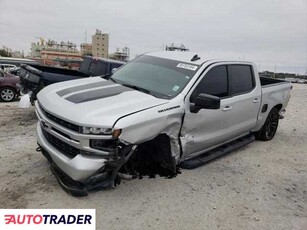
<point x="272" y="33"/>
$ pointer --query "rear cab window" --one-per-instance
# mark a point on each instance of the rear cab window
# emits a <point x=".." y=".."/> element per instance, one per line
<point x="97" y="67"/>
<point x="85" y="65"/>
<point x="241" y="79"/>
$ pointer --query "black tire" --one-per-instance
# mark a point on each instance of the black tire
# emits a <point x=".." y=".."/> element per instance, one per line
<point x="268" y="130"/>
<point x="7" y="94"/>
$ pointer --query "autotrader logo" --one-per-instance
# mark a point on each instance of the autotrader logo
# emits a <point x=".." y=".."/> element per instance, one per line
<point x="47" y="219"/>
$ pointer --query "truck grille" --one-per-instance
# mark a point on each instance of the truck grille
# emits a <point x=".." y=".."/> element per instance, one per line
<point x="63" y="147"/>
<point x="66" y="124"/>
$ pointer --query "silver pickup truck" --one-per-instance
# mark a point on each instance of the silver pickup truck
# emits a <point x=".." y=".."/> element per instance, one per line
<point x="165" y="108"/>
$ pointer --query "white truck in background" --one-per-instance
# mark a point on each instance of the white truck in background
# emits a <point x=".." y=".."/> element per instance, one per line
<point x="167" y="108"/>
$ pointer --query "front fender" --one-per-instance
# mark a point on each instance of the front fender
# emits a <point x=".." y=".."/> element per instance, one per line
<point x="142" y="127"/>
<point x="146" y="125"/>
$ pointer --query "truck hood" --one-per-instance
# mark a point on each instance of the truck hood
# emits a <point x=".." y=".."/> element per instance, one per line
<point x="94" y="101"/>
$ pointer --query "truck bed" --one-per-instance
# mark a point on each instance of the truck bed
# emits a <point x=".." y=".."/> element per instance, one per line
<point x="274" y="91"/>
<point x="265" y="81"/>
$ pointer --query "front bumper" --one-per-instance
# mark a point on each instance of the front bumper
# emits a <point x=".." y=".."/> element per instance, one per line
<point x="81" y="174"/>
<point x="78" y="168"/>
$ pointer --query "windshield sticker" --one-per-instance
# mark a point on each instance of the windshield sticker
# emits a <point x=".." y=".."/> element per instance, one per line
<point x="187" y="66"/>
<point x="175" y="88"/>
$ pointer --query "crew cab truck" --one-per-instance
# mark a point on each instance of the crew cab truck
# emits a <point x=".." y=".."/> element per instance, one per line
<point x="33" y="78"/>
<point x="166" y="108"/>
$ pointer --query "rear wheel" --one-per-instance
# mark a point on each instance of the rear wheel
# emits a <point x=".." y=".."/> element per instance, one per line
<point x="268" y="130"/>
<point x="7" y="94"/>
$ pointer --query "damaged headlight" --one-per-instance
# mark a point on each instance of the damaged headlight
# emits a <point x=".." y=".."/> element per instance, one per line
<point x="104" y="145"/>
<point x="101" y="131"/>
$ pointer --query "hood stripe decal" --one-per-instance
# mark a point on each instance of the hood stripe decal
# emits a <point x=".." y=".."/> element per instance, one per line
<point x="64" y="92"/>
<point x="97" y="94"/>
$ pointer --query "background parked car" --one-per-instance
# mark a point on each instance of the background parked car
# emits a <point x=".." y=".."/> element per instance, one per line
<point x="301" y="81"/>
<point x="8" y="67"/>
<point x="33" y="78"/>
<point x="9" y="86"/>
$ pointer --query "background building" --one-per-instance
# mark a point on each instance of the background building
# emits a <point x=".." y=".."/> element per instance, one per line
<point x="86" y="49"/>
<point x="100" y="44"/>
<point x="52" y="53"/>
<point x="172" y="47"/>
<point x="64" y="59"/>
<point x="121" y="54"/>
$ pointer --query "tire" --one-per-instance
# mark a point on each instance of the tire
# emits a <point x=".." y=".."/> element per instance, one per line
<point x="7" y="94"/>
<point x="268" y="130"/>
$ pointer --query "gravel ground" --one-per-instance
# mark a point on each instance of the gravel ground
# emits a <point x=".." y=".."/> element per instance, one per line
<point x="261" y="186"/>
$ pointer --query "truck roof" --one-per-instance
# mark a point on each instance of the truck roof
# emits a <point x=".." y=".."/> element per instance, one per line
<point x="187" y="57"/>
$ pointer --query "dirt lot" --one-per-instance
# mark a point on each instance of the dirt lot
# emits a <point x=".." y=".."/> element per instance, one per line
<point x="261" y="186"/>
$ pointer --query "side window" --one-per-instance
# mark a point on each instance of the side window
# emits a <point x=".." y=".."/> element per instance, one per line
<point x="112" y="67"/>
<point x="241" y="79"/>
<point x="214" y="83"/>
<point x="97" y="68"/>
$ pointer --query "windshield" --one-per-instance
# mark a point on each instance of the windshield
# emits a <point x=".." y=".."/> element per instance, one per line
<point x="156" y="76"/>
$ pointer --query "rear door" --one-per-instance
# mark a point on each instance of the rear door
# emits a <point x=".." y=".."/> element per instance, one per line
<point x="246" y="95"/>
<point x="240" y="101"/>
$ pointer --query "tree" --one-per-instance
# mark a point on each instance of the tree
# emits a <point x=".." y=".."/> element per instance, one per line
<point x="4" y="53"/>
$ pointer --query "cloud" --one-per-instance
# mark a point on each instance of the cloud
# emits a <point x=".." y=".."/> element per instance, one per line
<point x="269" y="32"/>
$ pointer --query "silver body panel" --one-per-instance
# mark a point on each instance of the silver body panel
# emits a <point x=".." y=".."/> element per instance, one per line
<point x="139" y="117"/>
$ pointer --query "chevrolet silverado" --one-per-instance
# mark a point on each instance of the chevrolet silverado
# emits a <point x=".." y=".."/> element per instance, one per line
<point x="168" y="108"/>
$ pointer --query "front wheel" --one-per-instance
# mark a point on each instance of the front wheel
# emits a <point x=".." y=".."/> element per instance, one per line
<point x="268" y="130"/>
<point x="7" y="94"/>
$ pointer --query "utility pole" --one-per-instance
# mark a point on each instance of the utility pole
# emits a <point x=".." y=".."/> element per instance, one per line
<point x="85" y="36"/>
<point x="274" y="71"/>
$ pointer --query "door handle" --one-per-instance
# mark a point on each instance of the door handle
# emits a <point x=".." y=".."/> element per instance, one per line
<point x="226" y="108"/>
<point x="256" y="100"/>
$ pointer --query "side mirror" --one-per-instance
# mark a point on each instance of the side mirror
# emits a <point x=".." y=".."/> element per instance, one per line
<point x="205" y="101"/>
<point x="113" y="70"/>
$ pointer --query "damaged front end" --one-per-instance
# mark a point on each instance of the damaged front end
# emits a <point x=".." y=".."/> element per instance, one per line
<point x="104" y="178"/>
<point x="134" y="161"/>
<point x="147" y="159"/>
<point x="83" y="160"/>
<point x="80" y="160"/>
<point x="152" y="158"/>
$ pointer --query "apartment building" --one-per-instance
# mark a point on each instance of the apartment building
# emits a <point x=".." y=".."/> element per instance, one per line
<point x="100" y="44"/>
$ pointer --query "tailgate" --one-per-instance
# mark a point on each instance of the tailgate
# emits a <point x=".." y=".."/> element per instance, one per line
<point x="29" y="81"/>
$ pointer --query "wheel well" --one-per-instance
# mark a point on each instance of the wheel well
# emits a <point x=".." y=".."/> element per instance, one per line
<point x="279" y="106"/>
<point x="153" y="156"/>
